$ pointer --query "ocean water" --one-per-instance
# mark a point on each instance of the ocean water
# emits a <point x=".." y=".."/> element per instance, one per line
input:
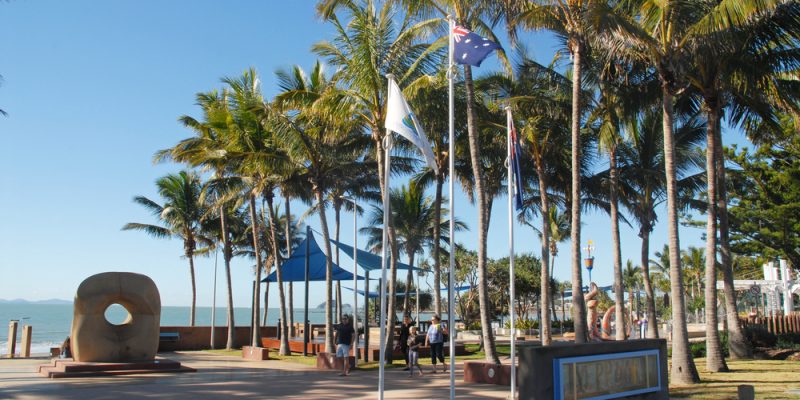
<point x="51" y="322"/>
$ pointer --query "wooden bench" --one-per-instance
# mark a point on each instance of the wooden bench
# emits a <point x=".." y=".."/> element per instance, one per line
<point x="169" y="337"/>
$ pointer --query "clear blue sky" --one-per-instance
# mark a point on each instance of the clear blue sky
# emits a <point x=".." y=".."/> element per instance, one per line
<point x="94" y="88"/>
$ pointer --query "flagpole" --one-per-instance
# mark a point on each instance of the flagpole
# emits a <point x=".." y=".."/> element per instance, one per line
<point x="511" y="183"/>
<point x="387" y="144"/>
<point x="451" y="157"/>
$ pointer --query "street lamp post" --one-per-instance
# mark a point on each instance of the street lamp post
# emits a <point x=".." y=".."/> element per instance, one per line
<point x="589" y="260"/>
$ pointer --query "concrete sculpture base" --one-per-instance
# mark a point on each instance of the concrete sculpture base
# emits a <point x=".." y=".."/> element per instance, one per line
<point x="73" y="369"/>
<point x="94" y="339"/>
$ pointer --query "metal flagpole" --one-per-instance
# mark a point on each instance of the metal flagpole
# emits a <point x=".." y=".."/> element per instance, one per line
<point x="355" y="279"/>
<point x="511" y="182"/>
<point x="451" y="157"/>
<point x="214" y="302"/>
<point x="387" y="144"/>
<point x="305" y="312"/>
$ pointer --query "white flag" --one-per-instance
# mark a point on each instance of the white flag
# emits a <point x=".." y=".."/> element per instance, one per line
<point x="400" y="119"/>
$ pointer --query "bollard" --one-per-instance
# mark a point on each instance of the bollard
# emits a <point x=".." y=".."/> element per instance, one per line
<point x="25" y="351"/>
<point x="746" y="392"/>
<point x="12" y="338"/>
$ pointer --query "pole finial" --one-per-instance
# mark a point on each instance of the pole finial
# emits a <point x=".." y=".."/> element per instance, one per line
<point x="390" y="76"/>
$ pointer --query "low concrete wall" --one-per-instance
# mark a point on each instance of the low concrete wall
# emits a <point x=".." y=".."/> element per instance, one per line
<point x="199" y="337"/>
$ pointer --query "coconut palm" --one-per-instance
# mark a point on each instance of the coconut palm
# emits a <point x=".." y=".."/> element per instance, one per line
<point x="430" y="93"/>
<point x="539" y="98"/>
<point x="632" y="278"/>
<point x="181" y="215"/>
<point x="573" y="22"/>
<point x="738" y="69"/>
<point x="207" y="149"/>
<point x="664" y="34"/>
<point x="642" y="170"/>
<point x="369" y="45"/>
<point x="413" y="215"/>
<point x="324" y="144"/>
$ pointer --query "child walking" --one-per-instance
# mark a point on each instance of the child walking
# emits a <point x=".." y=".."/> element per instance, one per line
<point x="413" y="351"/>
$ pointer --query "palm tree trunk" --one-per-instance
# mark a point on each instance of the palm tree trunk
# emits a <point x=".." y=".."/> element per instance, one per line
<point x="578" y="304"/>
<point x="437" y="272"/>
<point x="323" y="220"/>
<point x="288" y="234"/>
<point x="477" y="171"/>
<point x="619" y="294"/>
<point x="715" y="361"/>
<point x="269" y="261"/>
<point x="683" y="369"/>
<point x="256" y="334"/>
<point x="544" y="326"/>
<point x="337" y="209"/>
<point x="283" y="326"/>
<point x="409" y="282"/>
<point x="190" y="256"/>
<point x="227" y="254"/>
<point x="738" y="344"/>
<point x="650" y="299"/>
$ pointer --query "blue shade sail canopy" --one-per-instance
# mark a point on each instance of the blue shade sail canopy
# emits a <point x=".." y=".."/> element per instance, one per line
<point x="366" y="259"/>
<point x="294" y="269"/>
<point x="375" y="295"/>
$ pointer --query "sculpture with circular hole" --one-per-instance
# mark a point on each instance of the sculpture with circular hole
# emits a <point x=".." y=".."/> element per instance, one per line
<point x="94" y="339"/>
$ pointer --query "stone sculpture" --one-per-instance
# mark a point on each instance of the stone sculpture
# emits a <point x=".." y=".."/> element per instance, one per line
<point x="592" y="314"/>
<point x="94" y="339"/>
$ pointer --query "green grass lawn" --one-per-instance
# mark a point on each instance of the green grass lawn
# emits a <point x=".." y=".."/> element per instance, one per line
<point x="770" y="378"/>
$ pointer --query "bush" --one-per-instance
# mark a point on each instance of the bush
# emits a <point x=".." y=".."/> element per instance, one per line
<point x="788" y="341"/>
<point x="760" y="337"/>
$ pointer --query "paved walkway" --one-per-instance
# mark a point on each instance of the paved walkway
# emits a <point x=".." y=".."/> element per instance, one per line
<point x="223" y="377"/>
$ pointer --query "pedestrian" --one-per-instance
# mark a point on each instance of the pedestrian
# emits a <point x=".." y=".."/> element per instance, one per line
<point x="344" y="338"/>
<point x="413" y="343"/>
<point x="404" y="333"/>
<point x="435" y="338"/>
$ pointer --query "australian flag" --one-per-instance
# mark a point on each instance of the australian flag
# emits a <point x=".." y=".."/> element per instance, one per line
<point x="470" y="48"/>
<point x="516" y="153"/>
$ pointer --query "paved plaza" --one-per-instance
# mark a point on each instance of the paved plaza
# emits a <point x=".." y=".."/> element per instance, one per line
<point x="223" y="377"/>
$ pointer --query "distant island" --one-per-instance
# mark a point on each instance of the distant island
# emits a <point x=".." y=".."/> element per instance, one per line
<point x="23" y="301"/>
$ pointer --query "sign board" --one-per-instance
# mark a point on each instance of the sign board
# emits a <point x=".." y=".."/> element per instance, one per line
<point x="607" y="376"/>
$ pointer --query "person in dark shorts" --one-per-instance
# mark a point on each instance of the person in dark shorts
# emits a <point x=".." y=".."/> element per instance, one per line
<point x="435" y="337"/>
<point x="404" y="333"/>
<point x="413" y="343"/>
<point x="344" y="339"/>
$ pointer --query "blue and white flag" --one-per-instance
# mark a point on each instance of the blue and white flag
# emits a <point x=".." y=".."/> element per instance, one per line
<point x="516" y="153"/>
<point x="400" y="119"/>
<point x="470" y="48"/>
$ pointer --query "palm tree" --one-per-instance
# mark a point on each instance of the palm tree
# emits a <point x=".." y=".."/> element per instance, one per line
<point x="642" y="171"/>
<point x="664" y="35"/>
<point x="430" y="92"/>
<point x="573" y="22"/>
<point x="181" y="214"/>
<point x="739" y="69"/>
<point x="632" y="277"/>
<point x="540" y="100"/>
<point x="413" y="215"/>
<point x="324" y="143"/>
<point x="366" y="48"/>
<point x="208" y="150"/>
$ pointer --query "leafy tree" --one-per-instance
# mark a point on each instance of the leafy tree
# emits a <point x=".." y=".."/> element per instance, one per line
<point x="765" y="200"/>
